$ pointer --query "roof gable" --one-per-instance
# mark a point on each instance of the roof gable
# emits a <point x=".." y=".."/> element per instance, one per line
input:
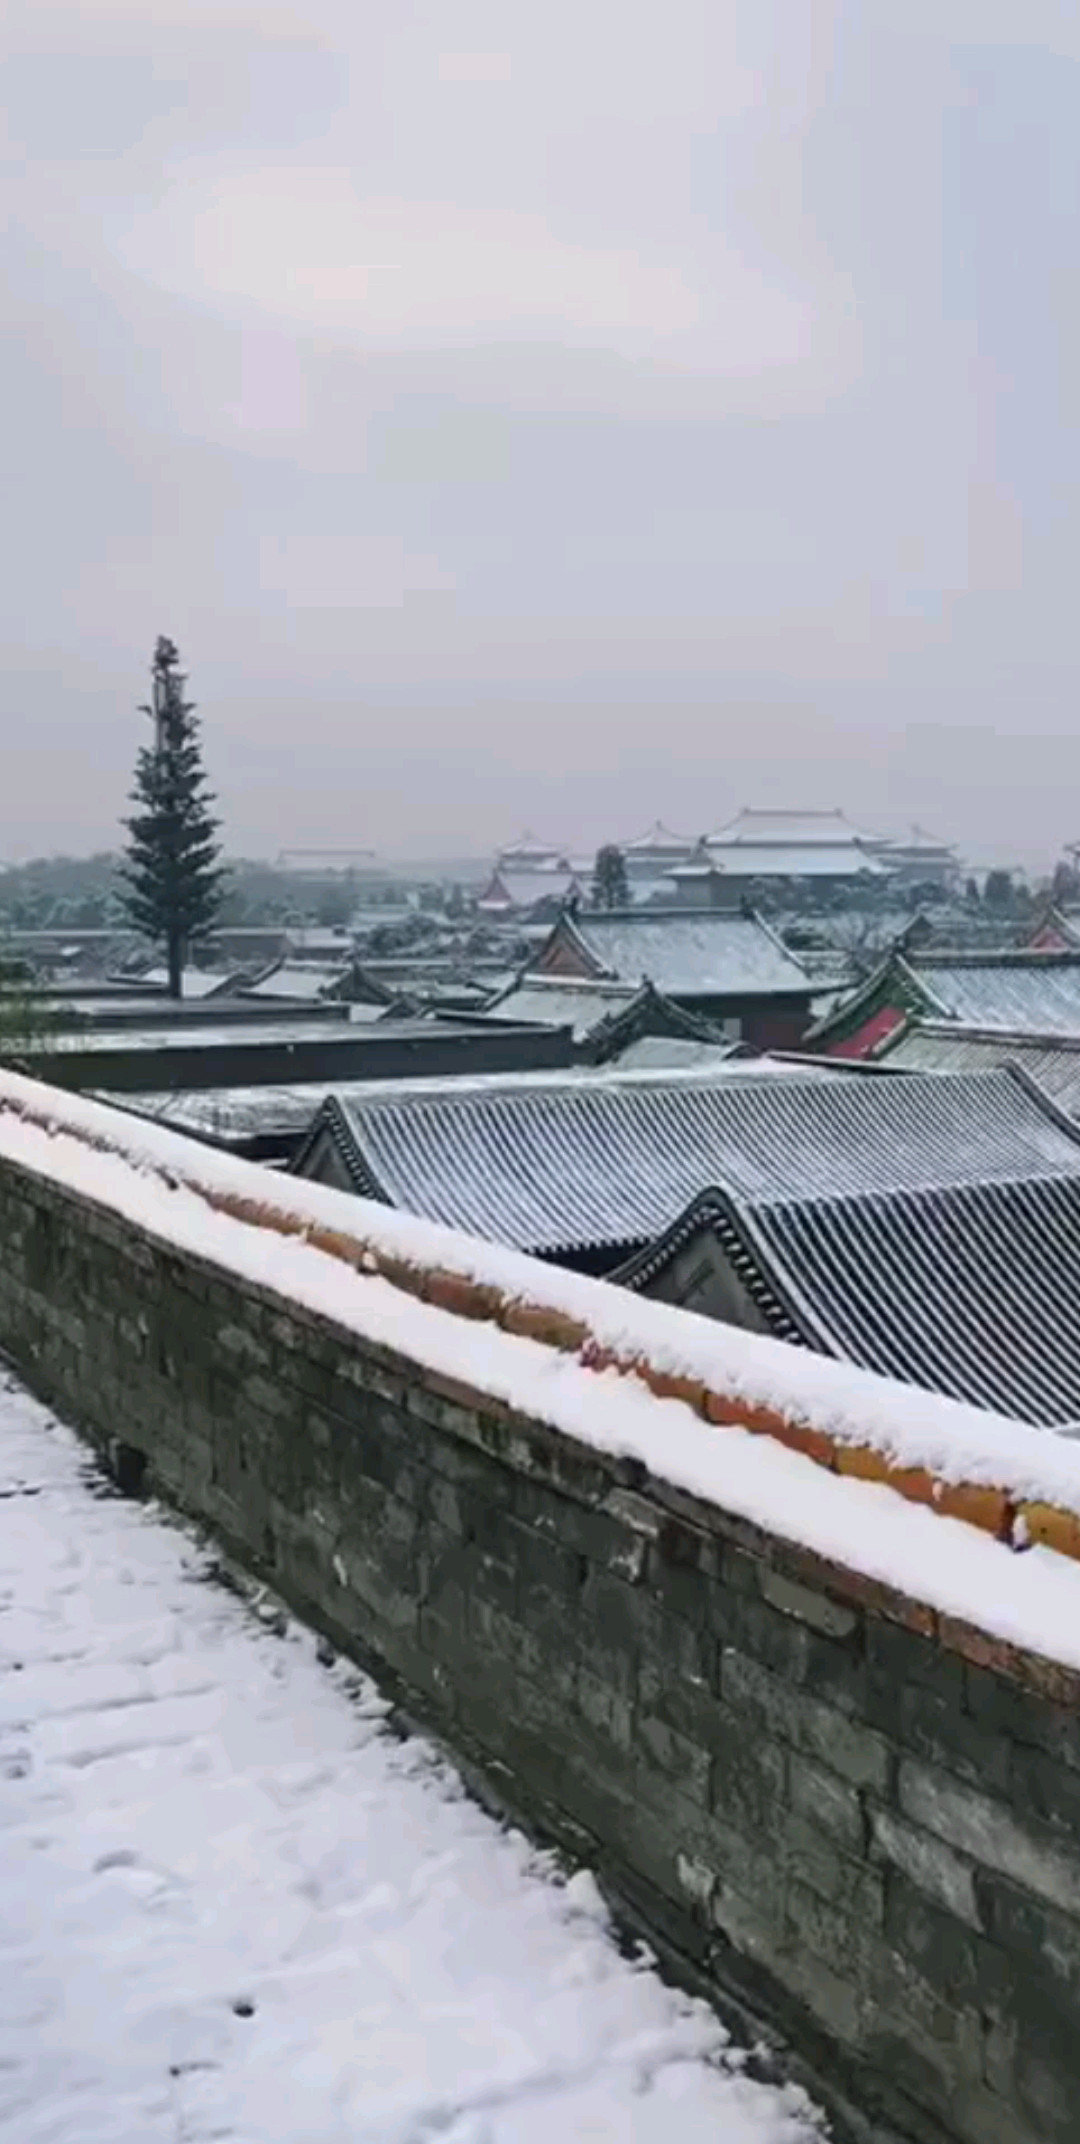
<point x="968" y="1289"/>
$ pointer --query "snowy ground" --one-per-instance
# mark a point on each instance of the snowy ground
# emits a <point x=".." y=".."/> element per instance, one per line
<point x="233" y="1906"/>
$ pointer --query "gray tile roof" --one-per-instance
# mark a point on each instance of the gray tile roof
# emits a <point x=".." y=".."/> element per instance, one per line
<point x="1052" y="1061"/>
<point x="1037" y="991"/>
<point x="655" y="1053"/>
<point x="558" y="1001"/>
<point x="970" y="1290"/>
<point x="745" y="859"/>
<point x="562" y="1164"/>
<point x="696" y="953"/>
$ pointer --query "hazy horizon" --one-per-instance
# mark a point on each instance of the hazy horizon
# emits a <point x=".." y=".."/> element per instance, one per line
<point x="553" y="420"/>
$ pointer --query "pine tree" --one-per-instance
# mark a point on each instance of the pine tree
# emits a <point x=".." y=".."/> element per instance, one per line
<point x="172" y="880"/>
<point x="610" y="889"/>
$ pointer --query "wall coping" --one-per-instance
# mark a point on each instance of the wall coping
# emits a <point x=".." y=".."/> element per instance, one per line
<point x="543" y="1368"/>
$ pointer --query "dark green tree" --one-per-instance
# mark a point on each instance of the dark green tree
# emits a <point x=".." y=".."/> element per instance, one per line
<point x="26" y="1021"/>
<point x="172" y="879"/>
<point x="999" y="891"/>
<point x="610" y="889"/>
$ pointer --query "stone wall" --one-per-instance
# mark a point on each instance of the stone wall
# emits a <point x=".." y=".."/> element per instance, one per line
<point x="823" y="1799"/>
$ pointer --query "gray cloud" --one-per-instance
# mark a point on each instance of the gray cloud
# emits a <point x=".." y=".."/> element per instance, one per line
<point x="571" y="418"/>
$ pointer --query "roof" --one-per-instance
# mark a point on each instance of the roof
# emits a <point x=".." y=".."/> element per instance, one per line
<point x="319" y="938"/>
<point x="300" y="979"/>
<point x="1039" y="991"/>
<point x="775" y="860"/>
<point x="658" y="1053"/>
<point x="197" y="982"/>
<point x="560" y="1164"/>
<point x="789" y="829"/>
<point x="684" y="952"/>
<point x="1052" y="1061"/>
<point x="961" y="1276"/>
<point x="917" y="845"/>
<point x="657" y="843"/>
<point x="560" y="1001"/>
<point x="527" y="850"/>
<point x="526" y="888"/>
<point x="230" y="1116"/>
<point x="969" y="1291"/>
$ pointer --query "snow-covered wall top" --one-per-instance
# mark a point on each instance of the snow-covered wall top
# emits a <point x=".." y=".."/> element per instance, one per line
<point x="810" y="1449"/>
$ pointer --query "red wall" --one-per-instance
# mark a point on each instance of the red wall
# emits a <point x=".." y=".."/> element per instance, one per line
<point x="866" y="1038"/>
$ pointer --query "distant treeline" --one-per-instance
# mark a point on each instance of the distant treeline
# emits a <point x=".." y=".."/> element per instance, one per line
<point x="80" y="893"/>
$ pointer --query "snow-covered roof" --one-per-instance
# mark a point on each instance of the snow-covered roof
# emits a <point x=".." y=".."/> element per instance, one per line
<point x="528" y="852"/>
<point x="319" y="939"/>
<point x="1037" y="991"/>
<point x="916" y="844"/>
<point x="230" y="1114"/>
<point x="953" y="1264"/>
<point x="300" y="979"/>
<point x="197" y="982"/>
<point x="663" y="1053"/>
<point x="790" y="830"/>
<point x="525" y="889"/>
<point x="684" y="952"/>
<point x="1052" y="1061"/>
<point x="969" y="1290"/>
<point x="305" y="1027"/>
<point x="742" y="859"/>
<point x="563" y="1165"/>
<point x="659" y="842"/>
<point x="559" y="1001"/>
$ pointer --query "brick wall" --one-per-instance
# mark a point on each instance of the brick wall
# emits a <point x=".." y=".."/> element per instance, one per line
<point x="858" y="1818"/>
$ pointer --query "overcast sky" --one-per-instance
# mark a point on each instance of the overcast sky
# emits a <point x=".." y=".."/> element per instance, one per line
<point x="544" y="415"/>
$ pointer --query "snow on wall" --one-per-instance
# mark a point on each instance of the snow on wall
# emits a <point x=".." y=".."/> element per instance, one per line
<point x="162" y="1183"/>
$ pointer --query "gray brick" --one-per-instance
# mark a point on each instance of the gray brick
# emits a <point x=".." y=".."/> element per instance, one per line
<point x="1041" y="1787"/>
<point x="1045" y="1943"/>
<point x="686" y="1700"/>
<point x="831" y="1804"/>
<point x="1020" y="1715"/>
<point x="682" y="1589"/>
<point x="750" y="1783"/>
<point x="835" y="2000"/>
<point x="950" y="1956"/>
<point x="940" y="1873"/>
<point x="897" y="1657"/>
<point x="857" y="1753"/>
<point x="604" y="1536"/>
<point x="830" y="1618"/>
<point x="935" y="1727"/>
<point x="835" y="1876"/>
<point x="605" y="1710"/>
<point x="827" y="1930"/>
<point x="990" y="1833"/>
<point x="675" y="1755"/>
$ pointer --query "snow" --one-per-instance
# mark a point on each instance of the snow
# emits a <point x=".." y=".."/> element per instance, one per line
<point x="1031" y="1600"/>
<point x="236" y="1906"/>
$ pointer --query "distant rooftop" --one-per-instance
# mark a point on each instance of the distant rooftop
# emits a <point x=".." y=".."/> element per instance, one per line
<point x="789" y="829"/>
<point x="684" y="952"/>
<point x="658" y="842"/>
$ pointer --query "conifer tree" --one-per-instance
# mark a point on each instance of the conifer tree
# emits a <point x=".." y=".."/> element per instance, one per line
<point x="172" y="879"/>
<point x="610" y="889"/>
